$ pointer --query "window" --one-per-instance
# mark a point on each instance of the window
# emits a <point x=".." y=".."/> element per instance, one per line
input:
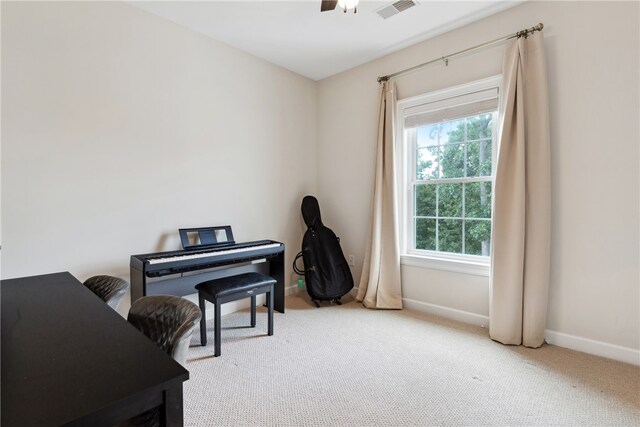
<point x="448" y="156"/>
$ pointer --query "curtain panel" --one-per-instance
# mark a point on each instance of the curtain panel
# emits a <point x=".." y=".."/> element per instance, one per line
<point x="380" y="282"/>
<point x="521" y="214"/>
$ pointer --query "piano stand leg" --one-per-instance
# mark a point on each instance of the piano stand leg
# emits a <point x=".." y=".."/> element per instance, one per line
<point x="270" y="311"/>
<point x="217" y="332"/>
<point x="203" y="321"/>
<point x="253" y="311"/>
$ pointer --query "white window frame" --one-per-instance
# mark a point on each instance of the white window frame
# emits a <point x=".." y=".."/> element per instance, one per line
<point x="450" y="97"/>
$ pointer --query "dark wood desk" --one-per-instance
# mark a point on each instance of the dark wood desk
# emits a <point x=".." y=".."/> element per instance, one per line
<point x="68" y="359"/>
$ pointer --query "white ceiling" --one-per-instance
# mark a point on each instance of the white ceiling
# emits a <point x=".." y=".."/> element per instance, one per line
<point x="297" y="36"/>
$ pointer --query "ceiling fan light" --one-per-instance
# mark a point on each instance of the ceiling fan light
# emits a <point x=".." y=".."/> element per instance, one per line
<point x="348" y="4"/>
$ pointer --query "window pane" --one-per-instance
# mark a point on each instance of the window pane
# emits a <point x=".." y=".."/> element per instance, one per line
<point x="452" y="160"/>
<point x="477" y="239"/>
<point x="431" y="135"/>
<point x="485" y="158"/>
<point x="426" y="137"/>
<point x="479" y="127"/>
<point x="426" y="234"/>
<point x="479" y="158"/>
<point x="440" y="133"/>
<point x="450" y="235"/>
<point x="454" y="130"/>
<point x="477" y="200"/>
<point x="427" y="163"/>
<point x="425" y="197"/>
<point x="450" y="200"/>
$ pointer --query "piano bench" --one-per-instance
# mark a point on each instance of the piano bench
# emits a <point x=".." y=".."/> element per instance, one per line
<point x="233" y="288"/>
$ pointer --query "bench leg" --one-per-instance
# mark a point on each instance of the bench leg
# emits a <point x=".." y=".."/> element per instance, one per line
<point x="270" y="311"/>
<point x="253" y="311"/>
<point x="216" y="329"/>
<point x="203" y="320"/>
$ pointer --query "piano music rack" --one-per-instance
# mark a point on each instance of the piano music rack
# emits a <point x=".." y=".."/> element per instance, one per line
<point x="208" y="237"/>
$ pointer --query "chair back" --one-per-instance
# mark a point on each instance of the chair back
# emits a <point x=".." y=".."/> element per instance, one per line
<point x="168" y="321"/>
<point x="111" y="289"/>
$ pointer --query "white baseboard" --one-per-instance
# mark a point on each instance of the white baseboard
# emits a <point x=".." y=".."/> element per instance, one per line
<point x="560" y="339"/>
<point x="597" y="348"/>
<point x="446" y="312"/>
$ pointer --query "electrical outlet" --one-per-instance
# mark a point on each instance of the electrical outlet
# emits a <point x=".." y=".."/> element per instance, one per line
<point x="351" y="260"/>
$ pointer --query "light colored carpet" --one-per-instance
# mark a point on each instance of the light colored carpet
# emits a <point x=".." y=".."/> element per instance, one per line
<point x="346" y="365"/>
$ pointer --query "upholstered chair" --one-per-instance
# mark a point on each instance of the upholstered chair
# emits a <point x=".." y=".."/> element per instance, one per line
<point x="111" y="289"/>
<point x="168" y="321"/>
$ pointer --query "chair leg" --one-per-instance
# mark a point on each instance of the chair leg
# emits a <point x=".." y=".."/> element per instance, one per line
<point x="270" y="311"/>
<point x="203" y="320"/>
<point x="253" y="311"/>
<point x="216" y="329"/>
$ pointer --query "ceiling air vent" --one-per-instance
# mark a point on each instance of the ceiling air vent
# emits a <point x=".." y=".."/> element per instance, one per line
<point x="394" y="8"/>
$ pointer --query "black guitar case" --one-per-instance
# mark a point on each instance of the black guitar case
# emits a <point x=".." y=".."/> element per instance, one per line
<point x="326" y="272"/>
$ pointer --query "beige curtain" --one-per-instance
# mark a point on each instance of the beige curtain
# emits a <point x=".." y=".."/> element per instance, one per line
<point x="520" y="238"/>
<point x="380" y="282"/>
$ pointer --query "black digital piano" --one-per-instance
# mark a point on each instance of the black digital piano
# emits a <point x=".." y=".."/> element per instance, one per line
<point x="204" y="251"/>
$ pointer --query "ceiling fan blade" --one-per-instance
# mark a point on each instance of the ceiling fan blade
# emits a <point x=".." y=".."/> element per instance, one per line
<point x="328" y="5"/>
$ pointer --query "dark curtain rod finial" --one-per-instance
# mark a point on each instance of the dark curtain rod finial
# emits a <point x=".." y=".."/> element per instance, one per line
<point x="526" y="33"/>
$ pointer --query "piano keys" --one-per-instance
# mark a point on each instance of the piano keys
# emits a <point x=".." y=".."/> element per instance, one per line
<point x="176" y="263"/>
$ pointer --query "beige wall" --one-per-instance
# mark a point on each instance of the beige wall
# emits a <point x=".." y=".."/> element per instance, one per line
<point x="592" y="55"/>
<point x="119" y="127"/>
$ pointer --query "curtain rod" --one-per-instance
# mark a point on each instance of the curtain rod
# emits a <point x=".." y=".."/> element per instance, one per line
<point x="524" y="33"/>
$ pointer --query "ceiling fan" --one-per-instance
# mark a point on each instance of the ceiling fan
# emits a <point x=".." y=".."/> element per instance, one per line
<point x="344" y="5"/>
